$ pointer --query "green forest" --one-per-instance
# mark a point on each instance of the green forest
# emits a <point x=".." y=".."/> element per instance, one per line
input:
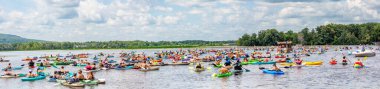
<point x="110" y="45"/>
<point x="330" y="34"/>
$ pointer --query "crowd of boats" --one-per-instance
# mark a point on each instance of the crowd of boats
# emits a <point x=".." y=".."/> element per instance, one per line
<point x="229" y="61"/>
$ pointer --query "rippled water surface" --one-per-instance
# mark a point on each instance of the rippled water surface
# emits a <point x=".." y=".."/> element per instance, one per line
<point x="181" y="77"/>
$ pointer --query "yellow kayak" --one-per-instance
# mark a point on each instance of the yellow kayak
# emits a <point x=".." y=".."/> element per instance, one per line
<point x="287" y="64"/>
<point x="314" y="63"/>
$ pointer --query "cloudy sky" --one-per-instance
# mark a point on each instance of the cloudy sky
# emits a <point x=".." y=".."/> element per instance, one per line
<point x="156" y="20"/>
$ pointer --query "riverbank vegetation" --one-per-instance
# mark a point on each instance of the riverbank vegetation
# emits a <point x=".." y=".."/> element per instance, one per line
<point x="111" y="45"/>
<point x="331" y="34"/>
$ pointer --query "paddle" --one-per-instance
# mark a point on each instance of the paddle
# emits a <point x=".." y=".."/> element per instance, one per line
<point x="246" y="70"/>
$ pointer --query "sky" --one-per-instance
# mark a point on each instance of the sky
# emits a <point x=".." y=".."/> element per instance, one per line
<point x="173" y="20"/>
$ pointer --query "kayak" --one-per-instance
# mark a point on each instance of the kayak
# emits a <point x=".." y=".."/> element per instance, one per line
<point x="272" y="71"/>
<point x="126" y="68"/>
<point x="150" y="69"/>
<point x="259" y="63"/>
<point x="358" y="66"/>
<point x="314" y="63"/>
<point x="15" y="68"/>
<point x="183" y="63"/>
<point x="218" y="66"/>
<point x="13" y="76"/>
<point x="63" y="63"/>
<point x="246" y="63"/>
<point x="80" y="65"/>
<point x="333" y="62"/>
<point x="199" y="69"/>
<point x="34" y="78"/>
<point x="344" y="63"/>
<point x="78" y="84"/>
<point x="89" y="82"/>
<point x="4" y="60"/>
<point x="158" y="64"/>
<point x="52" y="80"/>
<point x="223" y="75"/>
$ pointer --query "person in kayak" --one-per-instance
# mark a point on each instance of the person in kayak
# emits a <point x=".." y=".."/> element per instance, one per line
<point x="333" y="60"/>
<point x="344" y="60"/>
<point x="228" y="62"/>
<point x="90" y="76"/>
<point x="223" y="70"/>
<point x="88" y="67"/>
<point x="9" y="66"/>
<point x="62" y="70"/>
<point x="80" y="75"/>
<point x="31" y="75"/>
<point x="31" y="64"/>
<point x="74" y="79"/>
<point x="7" y="72"/>
<point x="358" y="62"/>
<point x="198" y="66"/>
<point x="275" y="68"/>
<point x="238" y="66"/>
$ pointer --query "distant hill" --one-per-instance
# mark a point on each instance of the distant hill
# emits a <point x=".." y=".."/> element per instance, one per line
<point x="8" y="38"/>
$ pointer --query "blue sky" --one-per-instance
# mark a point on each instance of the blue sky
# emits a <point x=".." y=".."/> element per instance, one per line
<point x="173" y="20"/>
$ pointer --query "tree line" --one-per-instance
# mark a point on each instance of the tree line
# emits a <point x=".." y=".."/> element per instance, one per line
<point x="331" y="34"/>
<point x="110" y="45"/>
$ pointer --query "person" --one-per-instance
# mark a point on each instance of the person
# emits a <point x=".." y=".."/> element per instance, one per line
<point x="90" y="76"/>
<point x="198" y="66"/>
<point x="30" y="74"/>
<point x="223" y="70"/>
<point x="344" y="60"/>
<point x="238" y="66"/>
<point x="88" y="66"/>
<point x="358" y="62"/>
<point x="62" y="71"/>
<point x="9" y="66"/>
<point x="31" y="64"/>
<point x="227" y="63"/>
<point x="80" y="75"/>
<point x="275" y="68"/>
<point x="7" y="72"/>
<point x="333" y="59"/>
<point x="74" y="79"/>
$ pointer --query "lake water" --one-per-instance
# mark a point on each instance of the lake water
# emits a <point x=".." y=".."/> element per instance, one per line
<point x="181" y="77"/>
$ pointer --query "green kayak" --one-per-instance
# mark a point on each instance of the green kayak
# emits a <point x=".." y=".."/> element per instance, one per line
<point x="63" y="63"/>
<point x="246" y="63"/>
<point x="218" y="66"/>
<point x="223" y="75"/>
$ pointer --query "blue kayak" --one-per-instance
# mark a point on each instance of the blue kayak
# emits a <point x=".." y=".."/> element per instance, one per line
<point x="272" y="71"/>
<point x="40" y="77"/>
<point x="126" y="68"/>
<point x="259" y="63"/>
<point x="15" y="68"/>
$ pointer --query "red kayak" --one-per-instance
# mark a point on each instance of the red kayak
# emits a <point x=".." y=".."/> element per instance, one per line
<point x="333" y="62"/>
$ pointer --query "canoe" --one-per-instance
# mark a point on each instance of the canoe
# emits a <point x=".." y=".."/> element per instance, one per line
<point x="126" y="68"/>
<point x="314" y="63"/>
<point x="223" y="75"/>
<point x="14" y="68"/>
<point x="13" y="76"/>
<point x="333" y="62"/>
<point x="4" y="60"/>
<point x="150" y="69"/>
<point x="259" y="63"/>
<point x="358" y="66"/>
<point x="365" y="54"/>
<point x="199" y="69"/>
<point x="182" y="63"/>
<point x="272" y="71"/>
<point x="78" y="84"/>
<point x="34" y="78"/>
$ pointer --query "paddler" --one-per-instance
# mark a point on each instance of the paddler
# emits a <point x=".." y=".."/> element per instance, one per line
<point x="358" y="62"/>
<point x="198" y="66"/>
<point x="223" y="70"/>
<point x="80" y="75"/>
<point x="344" y="60"/>
<point x="30" y="74"/>
<point x="9" y="66"/>
<point x="90" y="76"/>
<point x="31" y="64"/>
<point x="7" y="72"/>
<point x="275" y="68"/>
<point x="74" y="79"/>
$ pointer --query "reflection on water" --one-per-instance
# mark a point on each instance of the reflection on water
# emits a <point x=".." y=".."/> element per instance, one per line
<point x="181" y="77"/>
